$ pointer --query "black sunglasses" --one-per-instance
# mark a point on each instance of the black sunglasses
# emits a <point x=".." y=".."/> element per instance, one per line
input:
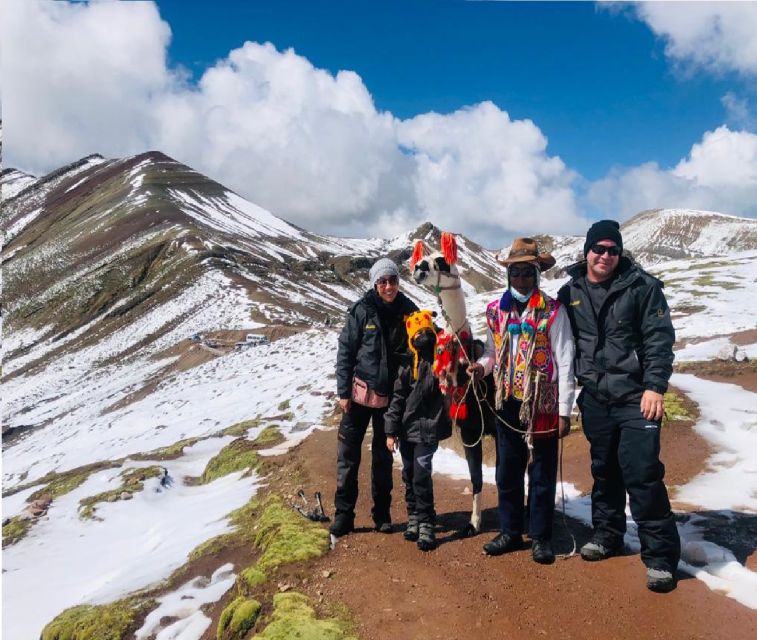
<point x="600" y="249"/>
<point x="526" y="272"/>
<point x="383" y="282"/>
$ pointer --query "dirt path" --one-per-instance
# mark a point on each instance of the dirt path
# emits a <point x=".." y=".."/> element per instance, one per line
<point x="395" y="591"/>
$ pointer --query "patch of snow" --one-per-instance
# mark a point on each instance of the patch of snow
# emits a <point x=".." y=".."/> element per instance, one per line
<point x="136" y="544"/>
<point x="184" y="604"/>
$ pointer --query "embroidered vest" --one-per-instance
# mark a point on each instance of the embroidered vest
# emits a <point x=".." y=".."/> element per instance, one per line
<point x="530" y="336"/>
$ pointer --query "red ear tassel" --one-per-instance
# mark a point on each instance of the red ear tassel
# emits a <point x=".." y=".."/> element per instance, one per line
<point x="449" y="247"/>
<point x="417" y="254"/>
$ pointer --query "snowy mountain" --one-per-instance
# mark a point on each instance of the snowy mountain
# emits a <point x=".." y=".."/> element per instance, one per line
<point x="659" y="235"/>
<point x="102" y="245"/>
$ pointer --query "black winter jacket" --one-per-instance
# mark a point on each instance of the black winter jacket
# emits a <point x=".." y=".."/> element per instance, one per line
<point x="628" y="346"/>
<point x="418" y="411"/>
<point x="369" y="350"/>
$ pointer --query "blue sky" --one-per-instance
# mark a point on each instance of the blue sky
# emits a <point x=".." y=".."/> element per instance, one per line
<point x="596" y="82"/>
<point x="492" y="119"/>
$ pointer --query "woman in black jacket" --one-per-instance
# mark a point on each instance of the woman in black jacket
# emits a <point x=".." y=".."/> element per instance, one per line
<point x="372" y="346"/>
<point x="418" y="416"/>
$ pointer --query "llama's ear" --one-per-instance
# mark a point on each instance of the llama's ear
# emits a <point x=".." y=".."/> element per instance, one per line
<point x="415" y="258"/>
<point x="449" y="247"/>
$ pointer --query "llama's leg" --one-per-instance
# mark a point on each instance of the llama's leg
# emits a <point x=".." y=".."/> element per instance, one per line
<point x="474" y="458"/>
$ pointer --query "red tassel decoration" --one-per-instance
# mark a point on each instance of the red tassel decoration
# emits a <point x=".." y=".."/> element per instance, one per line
<point x="458" y="411"/>
<point x="449" y="247"/>
<point x="415" y="258"/>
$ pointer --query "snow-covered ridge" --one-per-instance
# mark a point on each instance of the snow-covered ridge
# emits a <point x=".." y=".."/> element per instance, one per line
<point x="13" y="182"/>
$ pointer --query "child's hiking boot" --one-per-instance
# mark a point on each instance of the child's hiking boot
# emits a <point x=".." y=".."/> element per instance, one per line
<point x="412" y="528"/>
<point x="596" y="550"/>
<point x="426" y="537"/>
<point x="660" y="580"/>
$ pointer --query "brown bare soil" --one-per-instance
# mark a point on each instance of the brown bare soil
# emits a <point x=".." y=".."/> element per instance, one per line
<point x="743" y="374"/>
<point x="396" y="591"/>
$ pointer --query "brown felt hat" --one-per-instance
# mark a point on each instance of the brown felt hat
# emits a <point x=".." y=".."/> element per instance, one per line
<point x="527" y="250"/>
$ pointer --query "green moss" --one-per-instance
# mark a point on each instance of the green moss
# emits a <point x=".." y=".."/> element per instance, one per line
<point x="283" y="406"/>
<point x="114" y="621"/>
<point x="674" y="407"/>
<point x="15" y="530"/>
<point x="689" y="309"/>
<point x="240" y="428"/>
<point x="250" y="578"/>
<point x="236" y="456"/>
<point x="284" y="536"/>
<point x="707" y="280"/>
<point x="132" y="482"/>
<point x="293" y="617"/>
<point x="171" y="452"/>
<point x="269" y="436"/>
<point x="59" y="484"/>
<point x="238" y="618"/>
<point x="213" y="546"/>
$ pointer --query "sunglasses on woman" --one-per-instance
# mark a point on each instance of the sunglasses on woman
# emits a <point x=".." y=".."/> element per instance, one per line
<point x="391" y="280"/>
<point x="600" y="249"/>
<point x="525" y="272"/>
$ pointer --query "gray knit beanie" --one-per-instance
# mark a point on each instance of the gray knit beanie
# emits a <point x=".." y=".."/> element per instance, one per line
<point x="382" y="268"/>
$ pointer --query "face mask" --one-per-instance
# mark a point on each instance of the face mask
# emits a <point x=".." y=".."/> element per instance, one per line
<point x="425" y="344"/>
<point x="520" y="297"/>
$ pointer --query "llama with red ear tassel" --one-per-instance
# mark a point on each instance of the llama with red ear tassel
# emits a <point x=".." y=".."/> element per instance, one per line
<point x="437" y="270"/>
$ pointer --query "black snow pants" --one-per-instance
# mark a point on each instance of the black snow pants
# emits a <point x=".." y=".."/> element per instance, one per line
<point x="625" y="456"/>
<point x="349" y="448"/>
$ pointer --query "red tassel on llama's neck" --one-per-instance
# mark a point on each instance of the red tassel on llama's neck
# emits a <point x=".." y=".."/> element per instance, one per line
<point x="415" y="258"/>
<point x="449" y="247"/>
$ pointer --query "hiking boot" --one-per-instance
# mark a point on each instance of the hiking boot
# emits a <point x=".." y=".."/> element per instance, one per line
<point x="594" y="550"/>
<point x="541" y="551"/>
<point x="503" y="543"/>
<point x="343" y="524"/>
<point x="411" y="530"/>
<point x="383" y="527"/>
<point x="426" y="537"/>
<point x="660" y="580"/>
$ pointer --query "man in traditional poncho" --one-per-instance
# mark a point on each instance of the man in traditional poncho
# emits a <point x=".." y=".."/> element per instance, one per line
<point x="530" y="349"/>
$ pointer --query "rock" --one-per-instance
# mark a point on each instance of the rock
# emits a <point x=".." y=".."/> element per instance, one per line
<point x="327" y="573"/>
<point x="284" y="587"/>
<point x="125" y="495"/>
<point x="739" y="355"/>
<point x="728" y="352"/>
<point x="112" y="498"/>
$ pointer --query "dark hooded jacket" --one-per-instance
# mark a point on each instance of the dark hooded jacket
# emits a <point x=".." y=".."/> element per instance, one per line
<point x="418" y="411"/>
<point x="373" y="343"/>
<point x="627" y="347"/>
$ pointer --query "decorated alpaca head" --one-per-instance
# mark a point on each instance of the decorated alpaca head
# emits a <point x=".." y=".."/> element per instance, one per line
<point x="435" y="267"/>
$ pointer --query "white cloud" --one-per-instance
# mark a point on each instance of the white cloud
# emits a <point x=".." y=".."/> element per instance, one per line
<point x="738" y="112"/>
<point x="718" y="36"/>
<point x="719" y="173"/>
<point x="306" y="144"/>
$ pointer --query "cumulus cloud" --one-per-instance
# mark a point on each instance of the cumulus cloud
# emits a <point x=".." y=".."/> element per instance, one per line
<point x="718" y="36"/>
<point x="719" y="173"/>
<point x="306" y="144"/>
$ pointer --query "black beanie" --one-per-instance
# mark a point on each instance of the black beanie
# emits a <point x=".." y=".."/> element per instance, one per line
<point x="603" y="230"/>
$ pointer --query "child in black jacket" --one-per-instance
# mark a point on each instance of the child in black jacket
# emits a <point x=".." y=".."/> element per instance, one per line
<point x="418" y="417"/>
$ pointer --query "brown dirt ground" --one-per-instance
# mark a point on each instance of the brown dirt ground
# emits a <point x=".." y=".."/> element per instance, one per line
<point x="394" y="590"/>
<point x="743" y="374"/>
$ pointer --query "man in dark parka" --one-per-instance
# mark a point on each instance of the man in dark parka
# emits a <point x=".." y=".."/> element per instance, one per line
<point x="624" y="357"/>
